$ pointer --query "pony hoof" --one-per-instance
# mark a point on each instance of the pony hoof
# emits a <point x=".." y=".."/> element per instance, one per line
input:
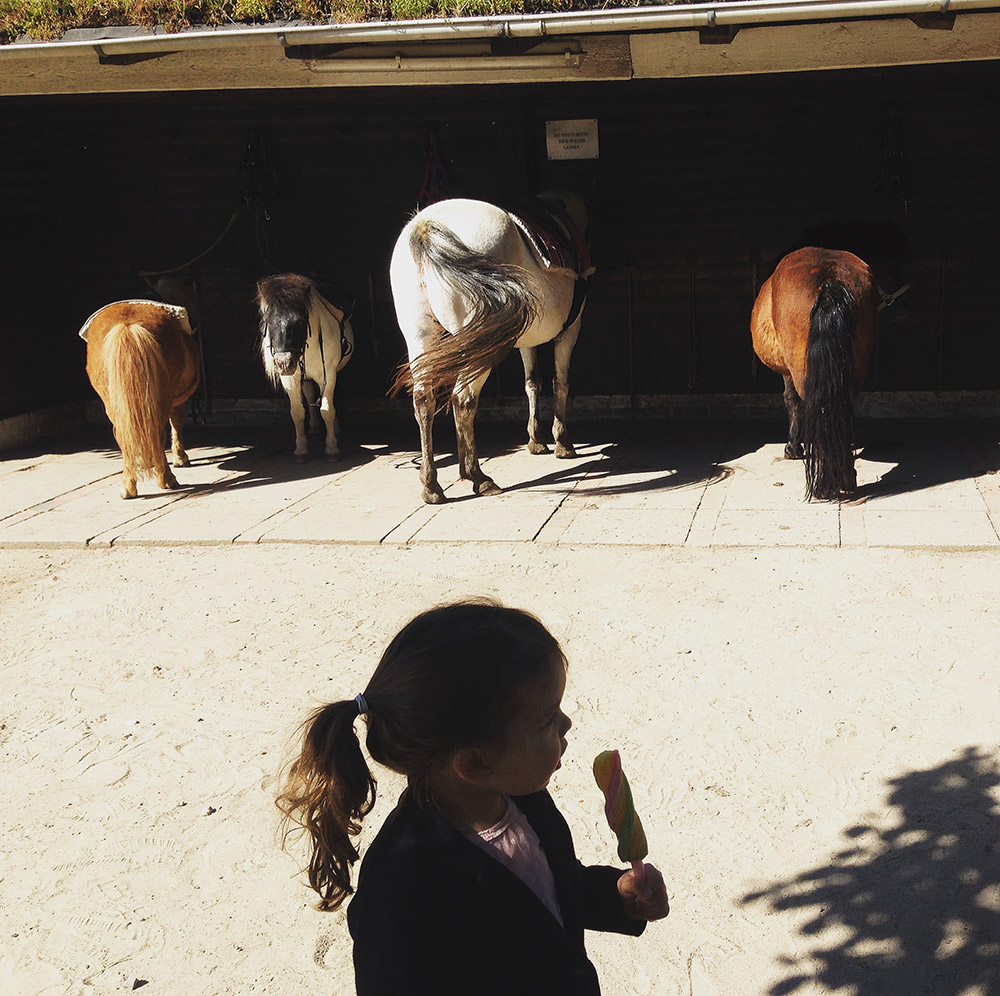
<point x="332" y="457"/>
<point x="181" y="461"/>
<point x="487" y="487"/>
<point x="793" y="452"/>
<point x="433" y="497"/>
<point x="564" y="452"/>
<point x="129" y="494"/>
<point x="534" y="447"/>
<point x="300" y="458"/>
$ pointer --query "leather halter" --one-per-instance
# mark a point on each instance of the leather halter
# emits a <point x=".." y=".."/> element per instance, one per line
<point x="888" y="300"/>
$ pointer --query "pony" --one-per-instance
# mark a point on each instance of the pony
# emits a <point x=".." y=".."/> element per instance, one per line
<point x="144" y="362"/>
<point x="305" y="340"/>
<point x="178" y="287"/>
<point x="814" y="322"/>
<point x="470" y="282"/>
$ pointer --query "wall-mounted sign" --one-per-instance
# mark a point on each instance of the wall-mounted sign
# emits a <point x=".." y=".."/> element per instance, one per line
<point x="572" y="139"/>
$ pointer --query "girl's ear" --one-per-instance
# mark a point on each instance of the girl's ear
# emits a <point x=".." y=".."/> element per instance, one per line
<point x="472" y="765"/>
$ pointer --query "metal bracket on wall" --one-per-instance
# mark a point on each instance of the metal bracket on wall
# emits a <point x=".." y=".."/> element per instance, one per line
<point x="720" y="34"/>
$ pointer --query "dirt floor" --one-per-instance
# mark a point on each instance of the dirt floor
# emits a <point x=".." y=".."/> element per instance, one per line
<point x="811" y="735"/>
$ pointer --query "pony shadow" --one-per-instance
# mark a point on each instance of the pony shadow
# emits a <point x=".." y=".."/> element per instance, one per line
<point x="927" y="455"/>
<point x="657" y="456"/>
<point x="265" y="469"/>
<point x="911" y="909"/>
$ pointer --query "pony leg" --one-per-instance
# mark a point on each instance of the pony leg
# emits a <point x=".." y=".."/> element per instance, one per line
<point x="329" y="414"/>
<point x="793" y="448"/>
<point x="465" y="403"/>
<point x="563" y="347"/>
<point x="293" y="388"/>
<point x="177" y="437"/>
<point x="316" y="418"/>
<point x="423" y="412"/>
<point x="128" y="489"/>
<point x="532" y="388"/>
<point x="164" y="475"/>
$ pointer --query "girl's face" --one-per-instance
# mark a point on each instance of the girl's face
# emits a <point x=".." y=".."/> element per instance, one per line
<point x="535" y="739"/>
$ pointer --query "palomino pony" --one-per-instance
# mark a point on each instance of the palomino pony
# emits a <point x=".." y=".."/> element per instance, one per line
<point x="814" y="322"/>
<point x="305" y="340"/>
<point x="470" y="281"/>
<point x="143" y="360"/>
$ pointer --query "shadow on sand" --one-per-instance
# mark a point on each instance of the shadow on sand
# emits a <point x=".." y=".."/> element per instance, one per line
<point x="913" y="909"/>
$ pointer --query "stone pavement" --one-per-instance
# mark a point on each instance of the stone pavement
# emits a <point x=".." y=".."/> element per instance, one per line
<point x="676" y="484"/>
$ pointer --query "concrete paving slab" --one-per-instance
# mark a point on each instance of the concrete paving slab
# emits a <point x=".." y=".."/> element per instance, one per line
<point x="989" y="488"/>
<point x="713" y="500"/>
<point x="949" y="496"/>
<point x="852" y="523"/>
<point x="78" y="520"/>
<point x="937" y="528"/>
<point x="806" y="524"/>
<point x="773" y="485"/>
<point x="622" y="527"/>
<point x="336" y="522"/>
<point x="38" y="482"/>
<point x="198" y="522"/>
<point x="522" y="471"/>
<point x="670" y="484"/>
<point x="514" y="517"/>
<point x="624" y="491"/>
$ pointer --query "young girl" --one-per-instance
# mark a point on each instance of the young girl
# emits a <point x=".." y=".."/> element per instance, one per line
<point x="472" y="885"/>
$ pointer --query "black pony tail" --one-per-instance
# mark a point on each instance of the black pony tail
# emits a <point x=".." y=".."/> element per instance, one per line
<point x="827" y="413"/>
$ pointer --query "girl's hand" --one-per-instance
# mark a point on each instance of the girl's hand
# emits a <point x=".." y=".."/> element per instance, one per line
<point x="645" y="898"/>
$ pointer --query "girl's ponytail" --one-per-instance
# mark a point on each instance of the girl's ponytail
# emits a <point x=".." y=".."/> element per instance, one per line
<point x="328" y="790"/>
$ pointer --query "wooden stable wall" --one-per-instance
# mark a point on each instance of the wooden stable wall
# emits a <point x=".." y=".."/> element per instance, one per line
<point x="700" y="185"/>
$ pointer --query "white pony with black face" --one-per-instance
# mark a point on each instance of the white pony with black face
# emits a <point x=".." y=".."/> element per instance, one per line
<point x="470" y="282"/>
<point x="305" y="342"/>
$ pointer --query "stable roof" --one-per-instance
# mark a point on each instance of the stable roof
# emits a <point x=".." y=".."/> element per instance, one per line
<point x="647" y="42"/>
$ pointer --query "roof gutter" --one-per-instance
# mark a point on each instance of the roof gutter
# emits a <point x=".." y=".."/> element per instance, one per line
<point x="667" y="18"/>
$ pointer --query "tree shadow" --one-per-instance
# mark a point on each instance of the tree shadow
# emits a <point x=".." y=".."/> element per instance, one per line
<point x="913" y="908"/>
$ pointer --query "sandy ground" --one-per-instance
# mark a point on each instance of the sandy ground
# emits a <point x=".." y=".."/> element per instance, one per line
<point x="811" y="736"/>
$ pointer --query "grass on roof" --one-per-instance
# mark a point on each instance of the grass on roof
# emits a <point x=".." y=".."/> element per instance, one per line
<point x="46" y="20"/>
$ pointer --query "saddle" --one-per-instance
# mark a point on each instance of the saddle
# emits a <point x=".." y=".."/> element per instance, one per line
<point x="554" y="236"/>
<point x="173" y="309"/>
<point x="559" y="244"/>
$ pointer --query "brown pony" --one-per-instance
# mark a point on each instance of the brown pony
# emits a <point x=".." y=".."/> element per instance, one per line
<point x="143" y="361"/>
<point x="814" y="322"/>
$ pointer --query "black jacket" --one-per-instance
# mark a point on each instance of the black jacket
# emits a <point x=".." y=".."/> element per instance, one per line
<point x="435" y="915"/>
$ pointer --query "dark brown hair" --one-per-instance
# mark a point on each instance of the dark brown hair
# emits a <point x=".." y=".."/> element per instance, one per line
<point x="449" y="679"/>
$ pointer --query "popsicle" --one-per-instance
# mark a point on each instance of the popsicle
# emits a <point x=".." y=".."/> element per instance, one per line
<point x="620" y="811"/>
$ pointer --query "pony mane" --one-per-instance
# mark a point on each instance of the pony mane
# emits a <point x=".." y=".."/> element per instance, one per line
<point x="283" y="290"/>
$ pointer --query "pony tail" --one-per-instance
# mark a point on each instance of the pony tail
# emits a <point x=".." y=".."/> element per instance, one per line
<point x="136" y="372"/>
<point x="328" y="790"/>
<point x="827" y="413"/>
<point x="503" y="307"/>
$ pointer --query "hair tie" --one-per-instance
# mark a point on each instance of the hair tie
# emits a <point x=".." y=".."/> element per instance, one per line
<point x="361" y="704"/>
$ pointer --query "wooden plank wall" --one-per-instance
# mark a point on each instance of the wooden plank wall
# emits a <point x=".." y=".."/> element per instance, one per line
<point x="699" y="187"/>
